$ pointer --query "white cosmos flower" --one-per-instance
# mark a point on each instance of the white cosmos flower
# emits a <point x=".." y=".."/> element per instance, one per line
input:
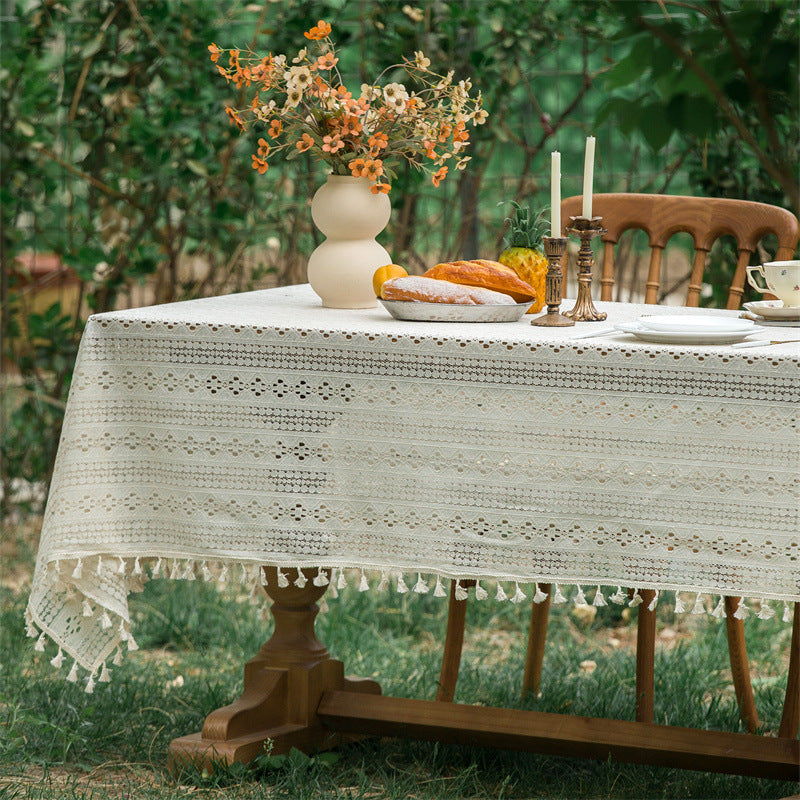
<point x="101" y="272"/>
<point x="420" y="60"/>
<point x="392" y="91"/>
<point x="299" y="77"/>
<point x="370" y="93"/>
<point x="413" y="13"/>
<point x="301" y="56"/>
<point x="446" y="80"/>
<point x="293" y="98"/>
<point x="371" y="118"/>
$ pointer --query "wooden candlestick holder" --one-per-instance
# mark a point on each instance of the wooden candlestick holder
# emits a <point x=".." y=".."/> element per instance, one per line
<point x="586" y="229"/>
<point x="554" y="249"/>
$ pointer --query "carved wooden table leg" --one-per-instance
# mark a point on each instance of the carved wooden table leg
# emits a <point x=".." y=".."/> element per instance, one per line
<point x="283" y="685"/>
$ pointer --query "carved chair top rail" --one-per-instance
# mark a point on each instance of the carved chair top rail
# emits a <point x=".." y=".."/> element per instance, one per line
<point x="704" y="218"/>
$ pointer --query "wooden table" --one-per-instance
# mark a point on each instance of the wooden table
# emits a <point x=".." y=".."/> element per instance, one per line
<point x="296" y="695"/>
<point x="245" y="433"/>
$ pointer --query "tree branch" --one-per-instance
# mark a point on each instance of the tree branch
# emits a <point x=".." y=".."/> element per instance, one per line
<point x="98" y="184"/>
<point x="785" y="181"/>
<point x="756" y="89"/>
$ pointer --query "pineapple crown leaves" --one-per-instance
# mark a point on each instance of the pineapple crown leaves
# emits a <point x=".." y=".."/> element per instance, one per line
<point x="524" y="231"/>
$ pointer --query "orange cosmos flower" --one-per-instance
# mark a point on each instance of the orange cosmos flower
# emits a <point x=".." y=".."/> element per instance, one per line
<point x="380" y="188"/>
<point x="437" y="178"/>
<point x="378" y="141"/>
<point x="358" y="167"/>
<point x="263" y="148"/>
<point x="460" y="134"/>
<point x="263" y="71"/>
<point x="343" y="94"/>
<point x="215" y="51"/>
<point x="359" y="106"/>
<point x="260" y="165"/>
<point x="373" y="169"/>
<point x="429" y="151"/>
<point x="234" y="118"/>
<point x="351" y="125"/>
<point x="304" y="143"/>
<point x="332" y="144"/>
<point x="242" y="76"/>
<point x="319" y="31"/>
<point x="444" y="132"/>
<point x="275" y="128"/>
<point x="327" y="61"/>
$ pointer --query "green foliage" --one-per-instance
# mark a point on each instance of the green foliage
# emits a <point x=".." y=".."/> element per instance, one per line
<point x="32" y="417"/>
<point x="705" y="76"/>
<point x="117" y="155"/>
<point x="524" y="230"/>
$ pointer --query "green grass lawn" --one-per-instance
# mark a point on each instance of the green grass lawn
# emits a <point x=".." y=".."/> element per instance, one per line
<point x="58" y="742"/>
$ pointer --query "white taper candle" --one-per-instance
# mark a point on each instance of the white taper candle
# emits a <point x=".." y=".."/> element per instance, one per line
<point x="588" y="177"/>
<point x="555" y="194"/>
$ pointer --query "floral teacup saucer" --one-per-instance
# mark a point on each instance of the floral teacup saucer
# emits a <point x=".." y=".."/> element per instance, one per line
<point x="773" y="310"/>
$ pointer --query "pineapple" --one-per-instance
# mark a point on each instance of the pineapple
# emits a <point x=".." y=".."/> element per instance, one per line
<point x="524" y="251"/>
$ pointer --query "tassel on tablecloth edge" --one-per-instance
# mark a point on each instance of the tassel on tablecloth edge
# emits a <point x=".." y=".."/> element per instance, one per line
<point x="421" y="586"/>
<point x="252" y="574"/>
<point x="222" y="571"/>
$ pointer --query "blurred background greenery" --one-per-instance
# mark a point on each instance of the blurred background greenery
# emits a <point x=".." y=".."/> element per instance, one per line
<point x="124" y="184"/>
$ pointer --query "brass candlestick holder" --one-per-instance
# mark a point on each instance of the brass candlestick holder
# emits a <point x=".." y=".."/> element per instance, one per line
<point x="554" y="249"/>
<point x="586" y="229"/>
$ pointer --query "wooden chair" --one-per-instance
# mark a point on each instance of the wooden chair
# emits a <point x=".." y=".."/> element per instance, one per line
<point x="705" y="219"/>
<point x="662" y="216"/>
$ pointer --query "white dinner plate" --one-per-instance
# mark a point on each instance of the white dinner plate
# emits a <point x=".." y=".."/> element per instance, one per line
<point x="453" y="312"/>
<point x="695" y="323"/>
<point x="773" y="309"/>
<point x="686" y="337"/>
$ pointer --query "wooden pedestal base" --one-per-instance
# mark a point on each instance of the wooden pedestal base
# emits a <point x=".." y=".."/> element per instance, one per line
<point x="296" y="695"/>
<point x="566" y="735"/>
<point x="283" y="686"/>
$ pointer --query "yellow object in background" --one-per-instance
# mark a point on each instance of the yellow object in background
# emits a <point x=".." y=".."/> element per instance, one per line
<point x="531" y="266"/>
<point x="524" y="251"/>
<point x="382" y="274"/>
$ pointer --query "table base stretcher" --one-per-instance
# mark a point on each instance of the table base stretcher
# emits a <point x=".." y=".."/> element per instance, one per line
<point x="296" y="695"/>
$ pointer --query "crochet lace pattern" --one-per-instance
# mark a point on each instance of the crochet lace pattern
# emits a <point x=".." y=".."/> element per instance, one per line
<point x="205" y="439"/>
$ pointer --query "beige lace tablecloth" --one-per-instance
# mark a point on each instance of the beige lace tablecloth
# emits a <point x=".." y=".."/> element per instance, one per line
<point x="203" y="439"/>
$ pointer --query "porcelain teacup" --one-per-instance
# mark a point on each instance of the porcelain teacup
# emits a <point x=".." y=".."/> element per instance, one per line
<point x="781" y="278"/>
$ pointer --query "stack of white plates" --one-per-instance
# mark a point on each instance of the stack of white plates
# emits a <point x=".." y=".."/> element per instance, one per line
<point x="690" y="329"/>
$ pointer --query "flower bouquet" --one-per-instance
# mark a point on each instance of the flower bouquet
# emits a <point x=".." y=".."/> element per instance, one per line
<point x="305" y="107"/>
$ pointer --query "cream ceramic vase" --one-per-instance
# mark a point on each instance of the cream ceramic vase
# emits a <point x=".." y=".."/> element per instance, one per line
<point x="350" y="216"/>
